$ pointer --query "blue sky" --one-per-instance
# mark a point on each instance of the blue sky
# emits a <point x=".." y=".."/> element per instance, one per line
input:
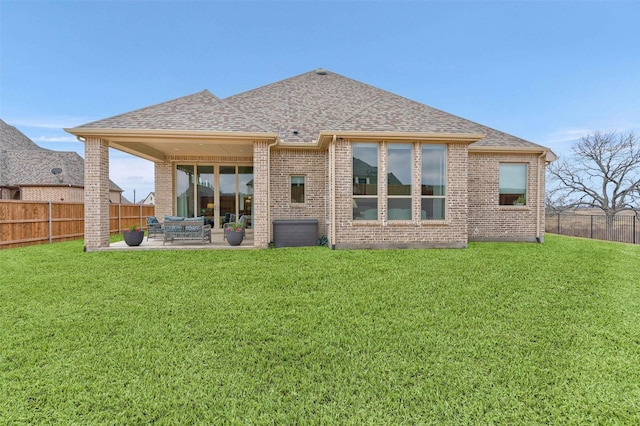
<point x="546" y="71"/>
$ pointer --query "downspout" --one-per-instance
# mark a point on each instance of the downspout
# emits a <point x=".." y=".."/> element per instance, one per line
<point x="333" y="191"/>
<point x="539" y="200"/>
<point x="269" y="240"/>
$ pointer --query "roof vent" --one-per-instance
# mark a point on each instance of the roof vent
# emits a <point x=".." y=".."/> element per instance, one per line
<point x="321" y="71"/>
<point x="57" y="172"/>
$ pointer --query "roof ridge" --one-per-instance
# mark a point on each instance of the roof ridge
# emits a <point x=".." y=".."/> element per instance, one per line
<point x="273" y="83"/>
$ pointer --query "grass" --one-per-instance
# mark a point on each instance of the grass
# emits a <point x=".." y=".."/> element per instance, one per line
<point x="496" y="333"/>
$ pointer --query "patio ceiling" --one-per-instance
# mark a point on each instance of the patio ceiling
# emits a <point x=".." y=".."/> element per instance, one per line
<point x="160" y="144"/>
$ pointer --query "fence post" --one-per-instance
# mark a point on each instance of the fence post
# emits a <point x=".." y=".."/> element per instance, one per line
<point x="635" y="220"/>
<point x="119" y="218"/>
<point x="141" y="216"/>
<point x="591" y="227"/>
<point x="50" y="224"/>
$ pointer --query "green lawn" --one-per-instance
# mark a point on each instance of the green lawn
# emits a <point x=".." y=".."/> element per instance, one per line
<point x="496" y="333"/>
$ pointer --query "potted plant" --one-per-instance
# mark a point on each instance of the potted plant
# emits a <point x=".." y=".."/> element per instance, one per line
<point x="520" y="201"/>
<point x="133" y="236"/>
<point x="233" y="233"/>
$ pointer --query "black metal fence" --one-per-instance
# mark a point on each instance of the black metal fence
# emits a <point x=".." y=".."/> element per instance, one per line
<point x="623" y="228"/>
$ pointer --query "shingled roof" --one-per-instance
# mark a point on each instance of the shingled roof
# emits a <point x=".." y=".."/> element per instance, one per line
<point x="22" y="162"/>
<point x="300" y="107"/>
<point x="200" y="111"/>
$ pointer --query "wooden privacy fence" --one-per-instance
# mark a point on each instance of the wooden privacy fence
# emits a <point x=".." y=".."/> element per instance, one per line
<point x="25" y="223"/>
<point x="623" y="228"/>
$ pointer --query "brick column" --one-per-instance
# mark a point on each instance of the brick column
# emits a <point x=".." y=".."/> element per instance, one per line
<point x="260" y="220"/>
<point x="164" y="189"/>
<point x="96" y="193"/>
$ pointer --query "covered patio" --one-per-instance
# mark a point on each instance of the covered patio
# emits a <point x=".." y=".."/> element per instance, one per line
<point x="217" y="243"/>
<point x="190" y="152"/>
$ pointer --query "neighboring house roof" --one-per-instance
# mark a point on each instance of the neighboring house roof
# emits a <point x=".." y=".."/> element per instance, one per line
<point x="362" y="168"/>
<point x="149" y="199"/>
<point x="299" y="108"/>
<point x="22" y="162"/>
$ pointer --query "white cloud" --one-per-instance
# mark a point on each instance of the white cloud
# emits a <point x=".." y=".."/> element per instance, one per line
<point x="566" y="135"/>
<point x="131" y="173"/>
<point x="45" y="139"/>
<point x="57" y="123"/>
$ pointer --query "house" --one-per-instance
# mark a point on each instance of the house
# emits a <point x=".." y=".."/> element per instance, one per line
<point x="29" y="172"/>
<point x="374" y="169"/>
<point x="150" y="199"/>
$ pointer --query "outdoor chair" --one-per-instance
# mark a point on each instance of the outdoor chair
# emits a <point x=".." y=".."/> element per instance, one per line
<point x="154" y="227"/>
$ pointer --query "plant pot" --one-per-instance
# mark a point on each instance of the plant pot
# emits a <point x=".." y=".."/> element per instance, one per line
<point x="133" y="238"/>
<point x="234" y="238"/>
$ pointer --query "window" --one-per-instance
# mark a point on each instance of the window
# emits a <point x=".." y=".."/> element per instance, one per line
<point x="513" y="184"/>
<point x="433" y="182"/>
<point x="185" y="179"/>
<point x="365" y="181"/>
<point x="219" y="193"/>
<point x="297" y="189"/>
<point x="399" y="160"/>
<point x="206" y="197"/>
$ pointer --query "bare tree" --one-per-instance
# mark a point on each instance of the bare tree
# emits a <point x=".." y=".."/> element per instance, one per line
<point x="604" y="172"/>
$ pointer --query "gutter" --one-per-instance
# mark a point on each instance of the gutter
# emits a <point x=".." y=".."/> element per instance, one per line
<point x="277" y="140"/>
<point x="539" y="196"/>
<point x="332" y="156"/>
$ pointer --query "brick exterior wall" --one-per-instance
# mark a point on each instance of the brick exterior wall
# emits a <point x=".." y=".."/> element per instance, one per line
<point x="489" y="221"/>
<point x="163" y="173"/>
<point x="70" y="194"/>
<point x="313" y="166"/>
<point x="96" y="194"/>
<point x="415" y="233"/>
<point x="472" y="210"/>
<point x="261" y="220"/>
<point x="52" y="193"/>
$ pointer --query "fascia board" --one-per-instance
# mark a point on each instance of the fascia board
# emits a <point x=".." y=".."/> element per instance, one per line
<point x="108" y="133"/>
<point x="549" y="156"/>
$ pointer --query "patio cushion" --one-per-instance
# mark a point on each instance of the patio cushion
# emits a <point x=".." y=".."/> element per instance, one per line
<point x="199" y="220"/>
<point x="167" y="223"/>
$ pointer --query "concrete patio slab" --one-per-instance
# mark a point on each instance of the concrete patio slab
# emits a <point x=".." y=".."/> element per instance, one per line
<point x="217" y="243"/>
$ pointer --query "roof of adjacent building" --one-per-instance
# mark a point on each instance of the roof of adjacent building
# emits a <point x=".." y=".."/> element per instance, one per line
<point x="300" y="107"/>
<point x="23" y="162"/>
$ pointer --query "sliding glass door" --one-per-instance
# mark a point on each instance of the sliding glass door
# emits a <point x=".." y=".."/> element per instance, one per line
<point x="185" y="176"/>
<point x="219" y="193"/>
